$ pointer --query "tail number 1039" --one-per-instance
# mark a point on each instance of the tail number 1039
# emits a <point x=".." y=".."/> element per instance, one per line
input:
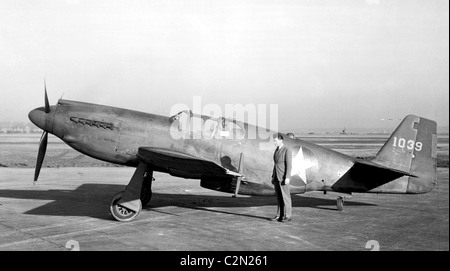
<point x="409" y="144"/>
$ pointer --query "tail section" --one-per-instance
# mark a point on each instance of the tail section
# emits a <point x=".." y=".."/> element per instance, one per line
<point x="412" y="148"/>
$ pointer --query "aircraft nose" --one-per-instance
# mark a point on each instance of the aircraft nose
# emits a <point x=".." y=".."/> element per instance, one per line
<point x="41" y="119"/>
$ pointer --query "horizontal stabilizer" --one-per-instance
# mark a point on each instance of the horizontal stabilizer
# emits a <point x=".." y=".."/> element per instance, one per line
<point x="372" y="164"/>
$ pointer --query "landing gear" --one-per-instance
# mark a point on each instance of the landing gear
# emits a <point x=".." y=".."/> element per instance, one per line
<point x="126" y="205"/>
<point x="120" y="212"/>
<point x="340" y="203"/>
<point x="146" y="191"/>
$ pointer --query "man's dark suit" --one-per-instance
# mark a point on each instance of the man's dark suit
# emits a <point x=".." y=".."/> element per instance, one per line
<point x="282" y="158"/>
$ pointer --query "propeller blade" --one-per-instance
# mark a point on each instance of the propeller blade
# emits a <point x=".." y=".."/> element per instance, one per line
<point x="47" y="105"/>
<point x="41" y="154"/>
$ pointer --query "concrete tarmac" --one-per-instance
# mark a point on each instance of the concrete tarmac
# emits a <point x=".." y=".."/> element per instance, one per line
<point x="68" y="209"/>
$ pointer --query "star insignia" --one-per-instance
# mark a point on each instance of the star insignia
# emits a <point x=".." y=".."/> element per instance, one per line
<point x="300" y="165"/>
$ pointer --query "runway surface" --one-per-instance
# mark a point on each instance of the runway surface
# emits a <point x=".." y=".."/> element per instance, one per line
<point x="69" y="208"/>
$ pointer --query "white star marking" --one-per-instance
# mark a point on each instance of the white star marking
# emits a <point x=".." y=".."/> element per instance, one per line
<point x="300" y="165"/>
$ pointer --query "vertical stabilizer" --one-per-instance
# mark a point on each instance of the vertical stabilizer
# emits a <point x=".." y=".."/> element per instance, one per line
<point x="412" y="148"/>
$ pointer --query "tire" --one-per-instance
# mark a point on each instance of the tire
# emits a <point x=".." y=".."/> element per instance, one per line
<point x="121" y="213"/>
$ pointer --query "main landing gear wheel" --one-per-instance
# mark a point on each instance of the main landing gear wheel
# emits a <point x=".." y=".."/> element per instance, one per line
<point x="340" y="203"/>
<point x="121" y="213"/>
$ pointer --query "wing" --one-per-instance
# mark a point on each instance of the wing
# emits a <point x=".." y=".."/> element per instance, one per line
<point x="181" y="164"/>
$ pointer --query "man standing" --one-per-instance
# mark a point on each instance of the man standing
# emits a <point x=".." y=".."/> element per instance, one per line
<point x="280" y="179"/>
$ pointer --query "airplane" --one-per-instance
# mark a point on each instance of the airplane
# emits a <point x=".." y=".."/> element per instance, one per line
<point x="220" y="153"/>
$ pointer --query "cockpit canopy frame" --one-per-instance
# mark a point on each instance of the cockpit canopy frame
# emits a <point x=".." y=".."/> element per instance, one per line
<point x="196" y="126"/>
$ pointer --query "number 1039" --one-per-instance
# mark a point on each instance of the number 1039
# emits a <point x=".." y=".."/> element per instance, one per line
<point x="409" y="144"/>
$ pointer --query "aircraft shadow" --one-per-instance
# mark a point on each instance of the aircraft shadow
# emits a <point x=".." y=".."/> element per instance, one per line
<point x="92" y="200"/>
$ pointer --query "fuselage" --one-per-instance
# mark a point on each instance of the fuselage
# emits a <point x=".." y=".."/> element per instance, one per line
<point x="114" y="135"/>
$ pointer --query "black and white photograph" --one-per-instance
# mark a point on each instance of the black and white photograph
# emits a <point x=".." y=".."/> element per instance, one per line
<point x="250" y="127"/>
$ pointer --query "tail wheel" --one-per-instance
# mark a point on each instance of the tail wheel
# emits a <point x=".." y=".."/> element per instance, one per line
<point x="121" y="213"/>
<point x="340" y="203"/>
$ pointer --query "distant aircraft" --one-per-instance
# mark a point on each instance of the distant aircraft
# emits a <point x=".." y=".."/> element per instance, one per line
<point x="223" y="157"/>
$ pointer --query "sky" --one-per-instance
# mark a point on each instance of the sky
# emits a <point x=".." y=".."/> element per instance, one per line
<point x="326" y="64"/>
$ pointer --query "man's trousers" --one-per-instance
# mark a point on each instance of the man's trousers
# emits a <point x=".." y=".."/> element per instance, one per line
<point x="283" y="194"/>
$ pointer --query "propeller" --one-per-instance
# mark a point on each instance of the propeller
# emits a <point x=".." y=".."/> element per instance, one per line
<point x="47" y="105"/>
<point x="43" y="142"/>
<point x="41" y="155"/>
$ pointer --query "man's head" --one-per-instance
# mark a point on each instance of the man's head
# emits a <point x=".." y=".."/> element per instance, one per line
<point x="278" y="139"/>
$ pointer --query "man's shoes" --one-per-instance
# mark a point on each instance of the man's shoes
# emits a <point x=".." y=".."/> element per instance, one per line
<point x="281" y="219"/>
